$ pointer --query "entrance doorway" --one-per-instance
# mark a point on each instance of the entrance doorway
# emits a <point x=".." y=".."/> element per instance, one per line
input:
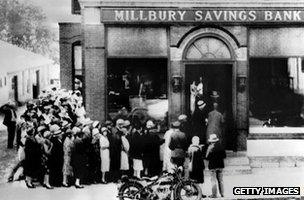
<point x="214" y="78"/>
<point x="36" y="85"/>
<point x="15" y="88"/>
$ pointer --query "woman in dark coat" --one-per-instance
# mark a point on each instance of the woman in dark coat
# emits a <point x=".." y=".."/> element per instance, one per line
<point x="33" y="158"/>
<point x="56" y="160"/>
<point x="115" y="150"/>
<point x="136" y="149"/>
<point x="198" y="121"/>
<point x="151" y="148"/>
<point x="79" y="159"/>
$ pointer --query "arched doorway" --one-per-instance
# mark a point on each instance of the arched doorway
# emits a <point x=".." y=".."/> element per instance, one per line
<point x="209" y="75"/>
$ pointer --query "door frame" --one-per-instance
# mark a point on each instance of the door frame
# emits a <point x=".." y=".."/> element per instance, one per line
<point x="233" y="78"/>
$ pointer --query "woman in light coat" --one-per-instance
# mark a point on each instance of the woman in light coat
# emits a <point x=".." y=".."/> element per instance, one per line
<point x="104" y="153"/>
<point x="67" y="169"/>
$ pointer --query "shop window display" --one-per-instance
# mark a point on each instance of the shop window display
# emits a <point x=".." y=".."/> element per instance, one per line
<point x="276" y="93"/>
<point x="137" y="84"/>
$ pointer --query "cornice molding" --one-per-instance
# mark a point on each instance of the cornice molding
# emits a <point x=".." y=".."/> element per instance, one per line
<point x="193" y="3"/>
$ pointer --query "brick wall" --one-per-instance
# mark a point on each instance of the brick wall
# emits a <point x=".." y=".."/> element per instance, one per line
<point x="69" y="33"/>
<point x="94" y="71"/>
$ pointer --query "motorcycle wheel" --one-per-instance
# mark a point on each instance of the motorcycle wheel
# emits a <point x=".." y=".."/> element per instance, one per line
<point x="130" y="190"/>
<point x="188" y="191"/>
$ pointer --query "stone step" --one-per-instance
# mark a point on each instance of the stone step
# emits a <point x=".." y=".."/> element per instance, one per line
<point x="276" y="161"/>
<point x="233" y="170"/>
<point x="233" y="154"/>
<point x="237" y="161"/>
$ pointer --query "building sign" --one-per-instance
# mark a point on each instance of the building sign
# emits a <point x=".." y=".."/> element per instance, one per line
<point x="224" y="15"/>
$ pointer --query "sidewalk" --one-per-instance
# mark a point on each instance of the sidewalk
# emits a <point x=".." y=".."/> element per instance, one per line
<point x="271" y="177"/>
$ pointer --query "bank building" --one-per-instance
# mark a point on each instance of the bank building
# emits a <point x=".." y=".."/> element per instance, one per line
<point x="153" y="54"/>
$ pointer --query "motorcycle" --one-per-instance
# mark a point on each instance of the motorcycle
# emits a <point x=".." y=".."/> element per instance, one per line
<point x="160" y="188"/>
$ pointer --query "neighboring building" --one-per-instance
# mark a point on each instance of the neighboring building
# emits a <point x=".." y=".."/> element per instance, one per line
<point x="250" y="52"/>
<point x="23" y="74"/>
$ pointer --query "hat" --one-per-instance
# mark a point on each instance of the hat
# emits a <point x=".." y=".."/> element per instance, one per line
<point x="65" y="123"/>
<point x="86" y="129"/>
<point x="95" y="131"/>
<point x="103" y="129"/>
<point x="200" y="103"/>
<point x="86" y="121"/>
<point x="182" y="117"/>
<point x="108" y="122"/>
<point x="213" y="138"/>
<point x="127" y="123"/>
<point x="68" y="131"/>
<point x="95" y="124"/>
<point x="41" y="128"/>
<point x="120" y="121"/>
<point x="47" y="134"/>
<point x="55" y="129"/>
<point x="176" y="124"/>
<point x="214" y="94"/>
<point x="76" y="130"/>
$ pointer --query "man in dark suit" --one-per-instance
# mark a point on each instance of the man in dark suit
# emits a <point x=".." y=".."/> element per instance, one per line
<point x="10" y="119"/>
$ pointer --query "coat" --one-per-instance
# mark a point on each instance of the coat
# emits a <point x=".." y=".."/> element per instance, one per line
<point x="216" y="155"/>
<point x="10" y="115"/>
<point x="136" y="146"/>
<point x="196" y="156"/>
<point x="104" y="153"/>
<point x="33" y="157"/>
<point x="178" y="144"/>
<point x="115" y="149"/>
<point x="151" y="150"/>
<point x="198" y="124"/>
<point x="67" y="156"/>
<point x="79" y="158"/>
<point x="215" y="124"/>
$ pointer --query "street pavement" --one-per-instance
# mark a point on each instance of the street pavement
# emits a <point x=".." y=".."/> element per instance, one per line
<point x="267" y="177"/>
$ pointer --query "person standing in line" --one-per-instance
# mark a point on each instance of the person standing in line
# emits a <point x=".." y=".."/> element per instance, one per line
<point x="167" y="165"/>
<point x="199" y="121"/>
<point x="136" y="149"/>
<point x="96" y="161"/>
<point x="104" y="154"/>
<point x="196" y="157"/>
<point x="215" y="155"/>
<point x="79" y="157"/>
<point x="33" y="158"/>
<point x="10" y="120"/>
<point x="178" y="145"/>
<point x="67" y="169"/>
<point x="115" y="149"/>
<point x="215" y="123"/>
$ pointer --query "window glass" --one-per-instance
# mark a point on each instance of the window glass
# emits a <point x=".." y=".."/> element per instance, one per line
<point x="276" y="92"/>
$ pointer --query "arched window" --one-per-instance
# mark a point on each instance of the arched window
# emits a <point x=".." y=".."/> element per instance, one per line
<point x="208" y="48"/>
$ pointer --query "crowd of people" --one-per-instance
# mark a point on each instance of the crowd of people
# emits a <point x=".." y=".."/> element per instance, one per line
<point x="60" y="146"/>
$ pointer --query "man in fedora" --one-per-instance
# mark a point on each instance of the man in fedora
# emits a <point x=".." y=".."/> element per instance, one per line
<point x="216" y="155"/>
